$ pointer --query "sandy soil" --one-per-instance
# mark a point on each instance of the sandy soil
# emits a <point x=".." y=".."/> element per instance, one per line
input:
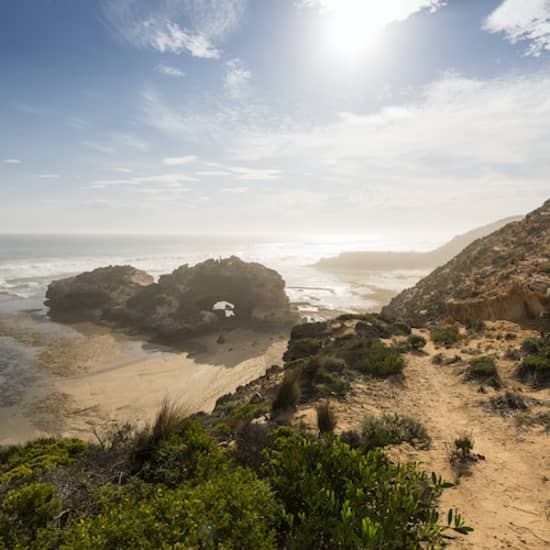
<point x="506" y="497"/>
<point x="85" y="377"/>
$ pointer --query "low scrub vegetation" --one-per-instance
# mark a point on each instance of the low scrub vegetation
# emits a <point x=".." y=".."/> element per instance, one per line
<point x="391" y="429"/>
<point x="188" y="491"/>
<point x="483" y="370"/>
<point x="509" y="402"/>
<point x="288" y="394"/>
<point x="445" y="336"/>
<point x="381" y="361"/>
<point x="535" y="364"/>
<point x="326" y="418"/>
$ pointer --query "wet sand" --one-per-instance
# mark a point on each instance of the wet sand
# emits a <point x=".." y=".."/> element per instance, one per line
<point x="72" y="380"/>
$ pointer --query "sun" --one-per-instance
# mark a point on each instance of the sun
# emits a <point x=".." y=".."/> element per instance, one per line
<point x="352" y="27"/>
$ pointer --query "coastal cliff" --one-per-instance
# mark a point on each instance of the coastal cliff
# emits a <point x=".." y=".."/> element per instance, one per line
<point x="505" y="276"/>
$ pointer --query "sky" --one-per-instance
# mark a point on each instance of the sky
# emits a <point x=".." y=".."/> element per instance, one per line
<point x="325" y="117"/>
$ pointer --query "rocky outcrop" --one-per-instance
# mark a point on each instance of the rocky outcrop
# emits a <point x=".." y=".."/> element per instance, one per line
<point x="180" y="303"/>
<point x="98" y="294"/>
<point x="505" y="275"/>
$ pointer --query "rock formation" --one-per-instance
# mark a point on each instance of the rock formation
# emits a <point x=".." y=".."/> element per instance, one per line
<point x="505" y="275"/>
<point x="180" y="303"/>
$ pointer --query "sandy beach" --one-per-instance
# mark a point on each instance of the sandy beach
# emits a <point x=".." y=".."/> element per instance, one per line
<point x="74" y="380"/>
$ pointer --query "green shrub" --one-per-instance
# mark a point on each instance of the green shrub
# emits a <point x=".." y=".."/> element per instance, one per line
<point x="338" y="497"/>
<point x="532" y="346"/>
<point x="169" y="420"/>
<point x="446" y="336"/>
<point x="462" y="449"/>
<point x="231" y="511"/>
<point x="535" y="369"/>
<point x="484" y="370"/>
<point x="288" y="394"/>
<point x="391" y="429"/>
<point x="475" y="325"/>
<point x="20" y="462"/>
<point x="25" y="511"/>
<point x="416" y="342"/>
<point x="326" y="419"/>
<point x="188" y="455"/>
<point x="381" y="361"/>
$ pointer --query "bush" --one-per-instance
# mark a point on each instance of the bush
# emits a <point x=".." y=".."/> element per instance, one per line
<point x="169" y="421"/>
<point x="338" y="497"/>
<point x="19" y="462"/>
<point x="25" y="511"/>
<point x="463" y="446"/>
<point x="232" y="510"/>
<point x="446" y="336"/>
<point x="484" y="370"/>
<point x="381" y="361"/>
<point x="392" y="429"/>
<point x="288" y="394"/>
<point x="416" y="342"/>
<point x="326" y="419"/>
<point x="475" y="325"/>
<point x="188" y="454"/>
<point x="532" y="346"/>
<point x="509" y="401"/>
<point x="535" y="369"/>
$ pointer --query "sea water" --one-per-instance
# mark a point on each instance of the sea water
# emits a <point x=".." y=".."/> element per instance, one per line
<point x="28" y="263"/>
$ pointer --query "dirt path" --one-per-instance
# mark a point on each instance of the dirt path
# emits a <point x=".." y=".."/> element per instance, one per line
<point x="506" y="497"/>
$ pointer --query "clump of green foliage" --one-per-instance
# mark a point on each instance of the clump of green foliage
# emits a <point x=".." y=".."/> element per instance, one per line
<point x="535" y="365"/>
<point x="445" y="336"/>
<point x="188" y="492"/>
<point x="338" y="497"/>
<point x="484" y="370"/>
<point x="288" y="394"/>
<point x="416" y="342"/>
<point x="392" y="429"/>
<point x="326" y="418"/>
<point x="381" y="361"/>
<point x="36" y="456"/>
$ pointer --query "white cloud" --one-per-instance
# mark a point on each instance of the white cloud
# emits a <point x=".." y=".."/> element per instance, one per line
<point x="11" y="161"/>
<point x="100" y="147"/>
<point x="237" y="79"/>
<point x="235" y="190"/>
<point x="212" y="173"/>
<point x="125" y="139"/>
<point x="178" y="161"/>
<point x="168" y="70"/>
<point x="48" y="176"/>
<point x="175" y="26"/>
<point x="123" y="170"/>
<point x="78" y="123"/>
<point x="519" y="20"/>
<point x="167" y="180"/>
<point x="255" y="174"/>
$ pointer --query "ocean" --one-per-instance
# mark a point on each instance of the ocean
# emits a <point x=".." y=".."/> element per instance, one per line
<point x="28" y="263"/>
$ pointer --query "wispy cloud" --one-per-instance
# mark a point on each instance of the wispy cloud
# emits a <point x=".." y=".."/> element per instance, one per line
<point x="168" y="180"/>
<point x="11" y="161"/>
<point x="169" y="70"/>
<point x="126" y="139"/>
<point x="178" y="161"/>
<point x="78" y="123"/>
<point x="212" y="173"/>
<point x="175" y="26"/>
<point x="48" y="176"/>
<point x="237" y="79"/>
<point x="255" y="174"/>
<point x="235" y="190"/>
<point x="99" y="147"/>
<point x="123" y="170"/>
<point x="523" y="20"/>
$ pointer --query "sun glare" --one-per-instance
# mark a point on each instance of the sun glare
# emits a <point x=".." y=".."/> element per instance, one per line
<point x="352" y="27"/>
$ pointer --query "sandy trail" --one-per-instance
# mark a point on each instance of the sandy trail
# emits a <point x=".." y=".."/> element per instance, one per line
<point x="506" y="497"/>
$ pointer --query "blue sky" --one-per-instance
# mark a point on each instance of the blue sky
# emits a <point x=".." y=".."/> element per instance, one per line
<point x="272" y="116"/>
